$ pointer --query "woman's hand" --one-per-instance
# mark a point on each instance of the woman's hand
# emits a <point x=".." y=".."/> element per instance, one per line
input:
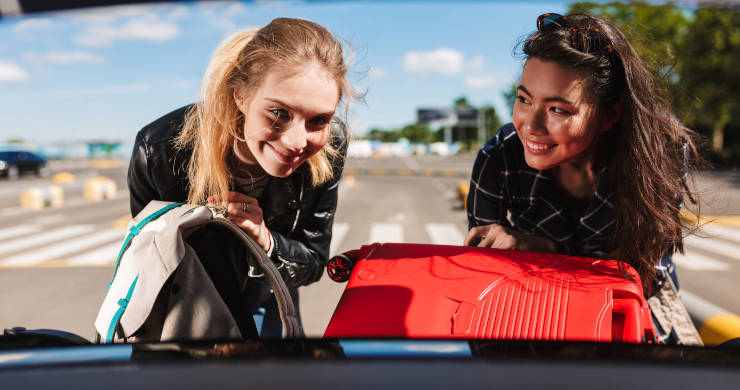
<point x="246" y="213"/>
<point x="501" y="237"/>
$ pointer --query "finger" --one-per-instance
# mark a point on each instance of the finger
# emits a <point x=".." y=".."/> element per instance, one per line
<point x="487" y="240"/>
<point x="504" y="241"/>
<point x="473" y="233"/>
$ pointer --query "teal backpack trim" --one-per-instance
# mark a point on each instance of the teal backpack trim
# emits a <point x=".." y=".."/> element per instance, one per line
<point x="122" y="305"/>
<point x="135" y="230"/>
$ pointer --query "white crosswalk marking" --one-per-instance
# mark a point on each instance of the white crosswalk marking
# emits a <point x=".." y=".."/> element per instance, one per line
<point x="697" y="262"/>
<point x="339" y="231"/>
<point x="714" y="245"/>
<point x="44" y="238"/>
<point x="722" y="232"/>
<point x="60" y="250"/>
<point x="444" y="233"/>
<point x="101" y="256"/>
<point x="17" y="231"/>
<point x="386" y="232"/>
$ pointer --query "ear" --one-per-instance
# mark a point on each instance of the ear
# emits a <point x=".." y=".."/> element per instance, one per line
<point x="610" y="118"/>
<point x="240" y="100"/>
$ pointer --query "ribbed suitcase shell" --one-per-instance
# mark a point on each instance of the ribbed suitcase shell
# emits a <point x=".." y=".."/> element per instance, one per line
<point x="415" y="290"/>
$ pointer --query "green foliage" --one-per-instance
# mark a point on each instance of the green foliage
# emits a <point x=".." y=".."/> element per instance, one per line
<point x="510" y="96"/>
<point x="695" y="55"/>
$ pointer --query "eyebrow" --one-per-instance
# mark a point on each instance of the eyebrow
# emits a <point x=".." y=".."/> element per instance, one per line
<point x="288" y="106"/>
<point x="547" y="99"/>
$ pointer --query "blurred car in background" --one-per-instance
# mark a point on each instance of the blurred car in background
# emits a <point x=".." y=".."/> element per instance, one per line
<point x="16" y="163"/>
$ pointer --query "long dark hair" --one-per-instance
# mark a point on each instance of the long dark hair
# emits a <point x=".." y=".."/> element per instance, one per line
<point x="649" y="147"/>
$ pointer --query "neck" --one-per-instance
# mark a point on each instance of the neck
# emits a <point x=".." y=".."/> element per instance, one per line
<point x="577" y="177"/>
<point x="241" y="164"/>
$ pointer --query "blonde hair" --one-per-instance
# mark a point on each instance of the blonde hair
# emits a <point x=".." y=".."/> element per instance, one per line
<point x="242" y="61"/>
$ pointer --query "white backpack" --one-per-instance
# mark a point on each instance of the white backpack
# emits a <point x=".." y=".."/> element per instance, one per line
<point x="141" y="305"/>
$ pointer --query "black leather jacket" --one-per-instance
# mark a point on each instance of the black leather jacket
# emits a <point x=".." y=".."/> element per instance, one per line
<point x="299" y="216"/>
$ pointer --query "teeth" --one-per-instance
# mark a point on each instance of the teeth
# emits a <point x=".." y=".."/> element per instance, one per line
<point x="538" y="146"/>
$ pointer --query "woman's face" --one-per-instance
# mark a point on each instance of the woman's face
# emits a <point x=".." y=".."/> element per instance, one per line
<point x="287" y="119"/>
<point x="555" y="115"/>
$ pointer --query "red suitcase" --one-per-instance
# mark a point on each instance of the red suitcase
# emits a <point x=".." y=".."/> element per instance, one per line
<point x="415" y="290"/>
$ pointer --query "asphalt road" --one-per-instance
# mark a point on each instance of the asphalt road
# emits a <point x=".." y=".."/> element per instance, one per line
<point x="55" y="264"/>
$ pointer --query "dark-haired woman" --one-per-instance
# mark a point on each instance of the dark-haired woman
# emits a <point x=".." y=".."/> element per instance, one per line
<point x="593" y="162"/>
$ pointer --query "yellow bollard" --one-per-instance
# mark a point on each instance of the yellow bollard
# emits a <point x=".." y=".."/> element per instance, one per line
<point x="38" y="198"/>
<point x="63" y="178"/>
<point x="462" y="193"/>
<point x="99" y="188"/>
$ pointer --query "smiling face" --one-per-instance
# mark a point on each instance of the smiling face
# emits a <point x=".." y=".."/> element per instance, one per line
<point x="556" y="116"/>
<point x="287" y="119"/>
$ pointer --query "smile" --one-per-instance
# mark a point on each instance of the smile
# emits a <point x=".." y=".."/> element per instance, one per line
<point x="285" y="158"/>
<point x="539" y="147"/>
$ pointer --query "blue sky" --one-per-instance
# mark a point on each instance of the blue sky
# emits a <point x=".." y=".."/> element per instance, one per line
<point x="105" y="73"/>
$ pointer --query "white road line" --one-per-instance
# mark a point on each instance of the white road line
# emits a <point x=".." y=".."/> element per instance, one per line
<point x="44" y="238"/>
<point x="339" y="231"/>
<point x="410" y="163"/>
<point x="722" y="232"/>
<point x="386" y="232"/>
<point x="17" y="231"/>
<point x="104" y="255"/>
<point x="444" y="233"/>
<point x="10" y="211"/>
<point x="64" y="248"/>
<point x="697" y="262"/>
<point x="51" y="219"/>
<point x="715" y="246"/>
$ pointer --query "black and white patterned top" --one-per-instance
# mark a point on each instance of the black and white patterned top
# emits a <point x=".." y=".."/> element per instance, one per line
<point x="506" y="191"/>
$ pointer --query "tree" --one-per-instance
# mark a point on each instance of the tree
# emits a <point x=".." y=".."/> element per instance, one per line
<point x="709" y="73"/>
<point x="418" y="133"/>
<point x="492" y="122"/>
<point x="694" y="54"/>
<point x="510" y="96"/>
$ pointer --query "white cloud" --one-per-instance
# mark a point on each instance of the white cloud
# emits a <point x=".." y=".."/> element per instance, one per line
<point x="147" y="28"/>
<point x="112" y="14"/>
<point x="376" y="74"/>
<point x="10" y="72"/>
<point x="27" y="28"/>
<point x="443" y="61"/>
<point x="489" y="80"/>
<point x="69" y="57"/>
<point x="124" y="89"/>
<point x="476" y="63"/>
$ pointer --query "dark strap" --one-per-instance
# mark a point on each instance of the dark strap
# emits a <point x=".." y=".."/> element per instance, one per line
<point x="257" y="258"/>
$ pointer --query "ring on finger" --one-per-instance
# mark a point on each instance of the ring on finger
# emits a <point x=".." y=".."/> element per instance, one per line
<point x="244" y="206"/>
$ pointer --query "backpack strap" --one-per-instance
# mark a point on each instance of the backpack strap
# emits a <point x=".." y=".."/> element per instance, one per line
<point x="123" y="303"/>
<point x="135" y="230"/>
<point x="257" y="258"/>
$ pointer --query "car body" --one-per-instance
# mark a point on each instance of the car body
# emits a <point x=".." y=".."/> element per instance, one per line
<point x="16" y="163"/>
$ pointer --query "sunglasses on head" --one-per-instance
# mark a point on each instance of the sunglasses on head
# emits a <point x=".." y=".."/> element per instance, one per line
<point x="578" y="35"/>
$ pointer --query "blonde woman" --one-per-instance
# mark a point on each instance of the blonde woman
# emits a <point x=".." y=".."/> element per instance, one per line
<point x="263" y="144"/>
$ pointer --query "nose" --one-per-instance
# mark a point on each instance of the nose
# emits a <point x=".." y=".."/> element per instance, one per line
<point x="534" y="123"/>
<point x="294" y="139"/>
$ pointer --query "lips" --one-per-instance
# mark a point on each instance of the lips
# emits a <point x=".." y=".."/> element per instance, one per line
<point x="289" y="158"/>
<point x="539" y="147"/>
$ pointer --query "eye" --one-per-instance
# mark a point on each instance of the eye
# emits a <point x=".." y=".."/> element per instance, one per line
<point x="279" y="117"/>
<point x="559" y="110"/>
<point x="319" y="122"/>
<point x="522" y="99"/>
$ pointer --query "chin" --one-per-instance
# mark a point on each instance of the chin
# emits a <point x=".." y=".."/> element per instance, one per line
<point x="536" y="164"/>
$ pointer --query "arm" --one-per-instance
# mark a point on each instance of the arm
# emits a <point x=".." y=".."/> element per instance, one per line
<point x="140" y="183"/>
<point x="487" y="204"/>
<point x="303" y="256"/>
